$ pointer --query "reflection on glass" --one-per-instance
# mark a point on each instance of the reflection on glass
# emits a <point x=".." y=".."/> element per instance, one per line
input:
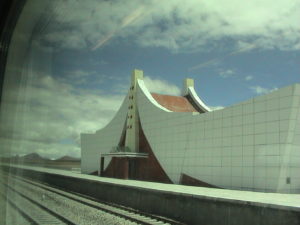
<point x="73" y="101"/>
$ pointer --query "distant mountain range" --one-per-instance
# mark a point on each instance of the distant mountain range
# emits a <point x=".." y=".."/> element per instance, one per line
<point x="34" y="157"/>
<point x="67" y="158"/>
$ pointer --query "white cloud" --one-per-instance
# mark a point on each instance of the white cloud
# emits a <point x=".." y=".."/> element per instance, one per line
<point x="262" y="90"/>
<point x="227" y="73"/>
<point x="176" y="25"/>
<point x="47" y="112"/>
<point x="213" y="62"/>
<point x="161" y="86"/>
<point x="80" y="77"/>
<point x="247" y="78"/>
<point x="214" y="108"/>
<point x="79" y="73"/>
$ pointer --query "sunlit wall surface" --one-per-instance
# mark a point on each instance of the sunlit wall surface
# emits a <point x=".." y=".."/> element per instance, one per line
<point x="252" y="145"/>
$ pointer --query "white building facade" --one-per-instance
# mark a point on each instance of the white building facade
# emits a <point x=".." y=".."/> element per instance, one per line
<point x="253" y="145"/>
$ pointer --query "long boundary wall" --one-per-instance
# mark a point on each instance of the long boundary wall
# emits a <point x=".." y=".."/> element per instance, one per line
<point x="188" y="208"/>
<point x="246" y="146"/>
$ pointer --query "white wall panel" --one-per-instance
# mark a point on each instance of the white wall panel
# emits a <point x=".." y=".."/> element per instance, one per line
<point x="102" y="141"/>
<point x="248" y="134"/>
<point x="245" y="146"/>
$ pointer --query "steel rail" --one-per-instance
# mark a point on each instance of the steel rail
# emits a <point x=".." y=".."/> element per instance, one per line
<point x="128" y="213"/>
<point x="23" y="213"/>
<point x="45" y="209"/>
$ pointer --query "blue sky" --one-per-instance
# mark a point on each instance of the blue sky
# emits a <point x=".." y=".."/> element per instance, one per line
<point x="82" y="54"/>
<point x="248" y="73"/>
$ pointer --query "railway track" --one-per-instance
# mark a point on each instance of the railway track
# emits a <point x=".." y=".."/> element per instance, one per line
<point x="13" y="216"/>
<point x="79" y="203"/>
<point x="32" y="211"/>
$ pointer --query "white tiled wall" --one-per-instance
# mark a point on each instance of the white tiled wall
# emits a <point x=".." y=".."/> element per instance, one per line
<point x="253" y="145"/>
<point x="92" y="145"/>
<point x="294" y="149"/>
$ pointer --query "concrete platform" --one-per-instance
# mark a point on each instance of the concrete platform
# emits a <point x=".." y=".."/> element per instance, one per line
<point x="191" y="205"/>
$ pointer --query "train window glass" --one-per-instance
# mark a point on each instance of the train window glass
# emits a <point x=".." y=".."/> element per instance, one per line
<point x="208" y="90"/>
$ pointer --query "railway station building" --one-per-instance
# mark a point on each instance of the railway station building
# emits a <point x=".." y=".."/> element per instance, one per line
<point x="253" y="145"/>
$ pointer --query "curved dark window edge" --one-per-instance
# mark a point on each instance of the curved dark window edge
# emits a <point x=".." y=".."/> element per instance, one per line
<point x="10" y="11"/>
